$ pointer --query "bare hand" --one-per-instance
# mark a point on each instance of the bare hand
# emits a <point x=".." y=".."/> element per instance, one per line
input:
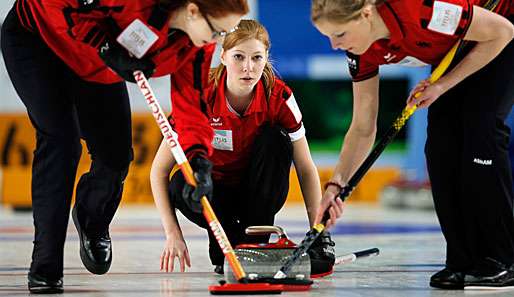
<point x="175" y="247"/>
<point x="334" y="205"/>
<point x="428" y="94"/>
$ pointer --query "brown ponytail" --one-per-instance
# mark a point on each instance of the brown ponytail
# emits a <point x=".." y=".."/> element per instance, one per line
<point x="215" y="9"/>
<point x="247" y="29"/>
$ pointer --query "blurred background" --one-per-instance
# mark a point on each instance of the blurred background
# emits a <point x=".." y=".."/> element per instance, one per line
<point x="322" y="86"/>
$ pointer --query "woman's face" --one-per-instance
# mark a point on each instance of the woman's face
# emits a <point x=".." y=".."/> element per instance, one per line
<point x="204" y="29"/>
<point x="353" y="36"/>
<point x="245" y="63"/>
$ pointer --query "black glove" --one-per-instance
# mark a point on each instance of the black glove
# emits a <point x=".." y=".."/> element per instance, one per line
<point x="322" y="254"/>
<point x="120" y="61"/>
<point x="202" y="171"/>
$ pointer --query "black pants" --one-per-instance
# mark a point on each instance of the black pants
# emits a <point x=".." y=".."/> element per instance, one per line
<point x="261" y="194"/>
<point x="63" y="108"/>
<point x="469" y="168"/>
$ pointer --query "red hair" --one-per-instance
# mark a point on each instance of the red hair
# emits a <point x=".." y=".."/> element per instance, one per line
<point x="246" y="30"/>
<point x="214" y="8"/>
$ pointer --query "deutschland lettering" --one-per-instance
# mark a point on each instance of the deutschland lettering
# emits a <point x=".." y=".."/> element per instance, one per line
<point x="162" y="121"/>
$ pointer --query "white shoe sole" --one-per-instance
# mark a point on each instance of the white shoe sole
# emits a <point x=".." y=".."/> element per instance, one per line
<point x="491" y="288"/>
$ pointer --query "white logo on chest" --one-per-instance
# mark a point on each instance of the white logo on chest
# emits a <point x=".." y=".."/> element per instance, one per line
<point x="215" y="122"/>
<point x="389" y="57"/>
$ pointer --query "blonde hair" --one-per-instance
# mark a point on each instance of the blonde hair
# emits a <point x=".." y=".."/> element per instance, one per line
<point x="246" y="30"/>
<point x="339" y="11"/>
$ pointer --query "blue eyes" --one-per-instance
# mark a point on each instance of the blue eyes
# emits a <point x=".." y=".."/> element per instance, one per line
<point x="240" y="57"/>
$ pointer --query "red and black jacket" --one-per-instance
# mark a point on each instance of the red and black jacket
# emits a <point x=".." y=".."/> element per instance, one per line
<point x="74" y="29"/>
<point x="422" y="32"/>
<point x="234" y="134"/>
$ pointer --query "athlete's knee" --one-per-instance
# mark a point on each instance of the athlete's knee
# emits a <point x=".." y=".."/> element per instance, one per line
<point x="273" y="139"/>
<point x="67" y="147"/>
<point x="274" y="132"/>
<point x="112" y="169"/>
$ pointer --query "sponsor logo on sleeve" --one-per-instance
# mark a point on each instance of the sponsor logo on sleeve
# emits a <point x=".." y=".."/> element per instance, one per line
<point x="353" y="63"/>
<point x="445" y="17"/>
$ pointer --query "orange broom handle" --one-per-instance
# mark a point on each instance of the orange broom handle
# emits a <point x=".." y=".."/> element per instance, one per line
<point x="171" y="138"/>
<point x="215" y="226"/>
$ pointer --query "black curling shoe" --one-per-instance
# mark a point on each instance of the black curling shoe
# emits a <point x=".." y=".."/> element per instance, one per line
<point x="490" y="275"/>
<point x="448" y="279"/>
<point x="95" y="251"/>
<point x="41" y="285"/>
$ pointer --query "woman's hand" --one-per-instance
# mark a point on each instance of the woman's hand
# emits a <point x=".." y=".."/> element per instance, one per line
<point x="429" y="93"/>
<point x="174" y="247"/>
<point x="331" y="202"/>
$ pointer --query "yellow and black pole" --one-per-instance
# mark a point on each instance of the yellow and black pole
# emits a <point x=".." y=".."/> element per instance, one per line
<point x="397" y="125"/>
<point x="375" y="153"/>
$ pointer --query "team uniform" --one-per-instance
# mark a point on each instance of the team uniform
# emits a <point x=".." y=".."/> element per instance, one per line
<point x="51" y="53"/>
<point x="251" y="161"/>
<point x="467" y="142"/>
